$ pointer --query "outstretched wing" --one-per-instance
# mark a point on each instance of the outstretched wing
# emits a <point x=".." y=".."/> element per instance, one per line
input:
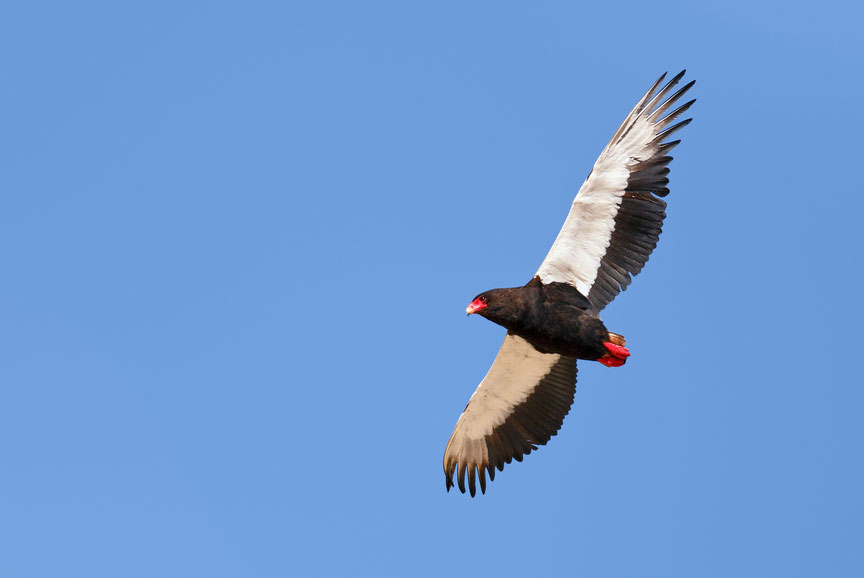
<point x="616" y="218"/>
<point x="519" y="405"/>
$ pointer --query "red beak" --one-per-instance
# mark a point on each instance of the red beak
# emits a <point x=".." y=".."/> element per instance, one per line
<point x="475" y="306"/>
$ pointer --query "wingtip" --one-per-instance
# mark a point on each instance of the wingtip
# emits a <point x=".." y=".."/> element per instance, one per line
<point x="668" y="86"/>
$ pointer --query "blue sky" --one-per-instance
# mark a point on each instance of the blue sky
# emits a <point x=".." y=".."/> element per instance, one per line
<point x="237" y="243"/>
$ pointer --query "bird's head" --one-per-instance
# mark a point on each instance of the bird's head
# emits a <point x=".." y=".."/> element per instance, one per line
<point x="486" y="303"/>
<point x="506" y="307"/>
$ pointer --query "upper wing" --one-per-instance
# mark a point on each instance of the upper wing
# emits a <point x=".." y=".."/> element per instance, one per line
<point x="519" y="405"/>
<point x="616" y="218"/>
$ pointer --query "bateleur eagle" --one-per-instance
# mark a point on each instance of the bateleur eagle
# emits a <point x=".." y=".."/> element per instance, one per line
<point x="613" y="226"/>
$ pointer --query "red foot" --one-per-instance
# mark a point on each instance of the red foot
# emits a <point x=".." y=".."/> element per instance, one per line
<point x="618" y="351"/>
<point x="617" y="355"/>
<point x="612" y="361"/>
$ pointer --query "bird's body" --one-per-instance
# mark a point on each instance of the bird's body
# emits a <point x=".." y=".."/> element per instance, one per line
<point x="553" y="317"/>
<point x="613" y="226"/>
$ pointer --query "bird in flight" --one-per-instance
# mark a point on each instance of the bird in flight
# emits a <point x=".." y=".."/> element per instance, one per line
<point x="612" y="228"/>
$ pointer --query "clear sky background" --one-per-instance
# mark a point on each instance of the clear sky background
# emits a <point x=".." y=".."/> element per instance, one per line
<point x="237" y="244"/>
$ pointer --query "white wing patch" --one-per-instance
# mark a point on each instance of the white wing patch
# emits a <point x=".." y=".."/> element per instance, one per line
<point x="576" y="254"/>
<point x="514" y="374"/>
<point x="519" y="405"/>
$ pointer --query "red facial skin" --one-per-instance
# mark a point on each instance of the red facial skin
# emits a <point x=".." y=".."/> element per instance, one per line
<point x="617" y="355"/>
<point x="476" y="306"/>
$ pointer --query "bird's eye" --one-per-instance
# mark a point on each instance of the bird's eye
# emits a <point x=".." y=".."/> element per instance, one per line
<point x="483" y="298"/>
